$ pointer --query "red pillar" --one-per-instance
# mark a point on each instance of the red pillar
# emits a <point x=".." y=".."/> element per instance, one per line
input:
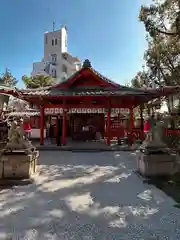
<point x="131" y="125"/>
<point x="72" y="126"/>
<point x="64" y="126"/>
<point x="108" y="128"/>
<point x="57" y="130"/>
<point x="41" y="125"/>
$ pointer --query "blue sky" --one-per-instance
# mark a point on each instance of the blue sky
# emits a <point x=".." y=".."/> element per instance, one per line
<point x="105" y="31"/>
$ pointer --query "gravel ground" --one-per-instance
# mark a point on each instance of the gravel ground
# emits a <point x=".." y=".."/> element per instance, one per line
<point x="87" y="196"/>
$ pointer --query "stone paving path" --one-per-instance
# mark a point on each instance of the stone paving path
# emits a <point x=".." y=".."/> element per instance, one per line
<point x="87" y="196"/>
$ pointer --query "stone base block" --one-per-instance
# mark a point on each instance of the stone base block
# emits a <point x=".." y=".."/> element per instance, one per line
<point x="18" y="166"/>
<point x="156" y="164"/>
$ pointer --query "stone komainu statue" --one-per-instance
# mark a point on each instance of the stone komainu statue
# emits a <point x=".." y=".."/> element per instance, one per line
<point x="16" y="139"/>
<point x="13" y="134"/>
<point x="158" y="132"/>
<point x="155" y="138"/>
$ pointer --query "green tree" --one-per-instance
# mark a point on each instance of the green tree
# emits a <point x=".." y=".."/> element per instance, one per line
<point x="139" y="81"/>
<point x="162" y="17"/>
<point x="38" y="81"/>
<point x="161" y="21"/>
<point x="162" y="59"/>
<point x="8" y="79"/>
<point x="143" y="79"/>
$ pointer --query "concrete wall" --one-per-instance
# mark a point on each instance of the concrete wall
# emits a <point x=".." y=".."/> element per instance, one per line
<point x="55" y="44"/>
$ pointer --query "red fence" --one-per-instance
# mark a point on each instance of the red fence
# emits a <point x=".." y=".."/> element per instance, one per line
<point x="120" y="132"/>
<point x="172" y="131"/>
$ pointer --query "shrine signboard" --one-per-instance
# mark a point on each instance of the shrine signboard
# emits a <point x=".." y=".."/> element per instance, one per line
<point x="55" y="111"/>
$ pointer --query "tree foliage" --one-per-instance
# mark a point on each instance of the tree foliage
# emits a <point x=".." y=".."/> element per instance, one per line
<point x="162" y="60"/>
<point x="8" y="79"/>
<point x="142" y="80"/>
<point x="37" y="81"/>
<point x="162" y="56"/>
<point x="161" y="17"/>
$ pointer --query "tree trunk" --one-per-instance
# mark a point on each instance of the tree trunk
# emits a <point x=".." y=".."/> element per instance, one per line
<point x="148" y="110"/>
<point x="141" y="116"/>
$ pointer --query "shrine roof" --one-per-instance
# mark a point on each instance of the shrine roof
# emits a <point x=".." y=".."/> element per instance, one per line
<point x="87" y="68"/>
<point x="51" y="91"/>
<point x="139" y="95"/>
<point x="110" y="88"/>
<point x="23" y="114"/>
<point x="100" y="86"/>
<point x="90" y="91"/>
<point x="98" y="74"/>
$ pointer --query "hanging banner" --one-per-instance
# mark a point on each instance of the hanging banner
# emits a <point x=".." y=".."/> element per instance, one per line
<point x="56" y="111"/>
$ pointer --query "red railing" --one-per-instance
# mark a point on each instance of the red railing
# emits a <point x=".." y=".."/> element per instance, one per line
<point x="137" y="132"/>
<point x="172" y="131"/>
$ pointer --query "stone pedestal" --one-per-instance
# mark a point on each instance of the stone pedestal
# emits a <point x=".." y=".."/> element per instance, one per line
<point x="156" y="164"/>
<point x="18" y="165"/>
<point x="154" y="158"/>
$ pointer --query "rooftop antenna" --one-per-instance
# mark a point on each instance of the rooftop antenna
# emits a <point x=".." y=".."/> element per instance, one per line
<point x="53" y="26"/>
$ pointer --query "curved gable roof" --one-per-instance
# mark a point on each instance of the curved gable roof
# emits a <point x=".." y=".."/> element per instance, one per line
<point x="87" y="69"/>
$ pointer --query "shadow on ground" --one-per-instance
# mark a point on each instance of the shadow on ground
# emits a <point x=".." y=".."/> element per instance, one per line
<point x="87" y="196"/>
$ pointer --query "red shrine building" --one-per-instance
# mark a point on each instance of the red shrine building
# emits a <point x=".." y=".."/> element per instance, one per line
<point x="88" y="98"/>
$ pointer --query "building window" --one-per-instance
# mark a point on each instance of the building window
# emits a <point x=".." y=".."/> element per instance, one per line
<point x="52" y="42"/>
<point x="53" y="73"/>
<point x="64" y="68"/>
<point x="56" y="41"/>
<point x="46" y="39"/>
<point x="54" y="58"/>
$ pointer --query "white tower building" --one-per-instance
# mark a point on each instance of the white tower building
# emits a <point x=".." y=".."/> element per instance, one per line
<point x="57" y="62"/>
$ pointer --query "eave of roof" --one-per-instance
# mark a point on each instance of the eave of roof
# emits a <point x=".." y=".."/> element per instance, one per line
<point x="119" y="91"/>
<point x="139" y="95"/>
<point x="83" y="92"/>
<point x="24" y="113"/>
